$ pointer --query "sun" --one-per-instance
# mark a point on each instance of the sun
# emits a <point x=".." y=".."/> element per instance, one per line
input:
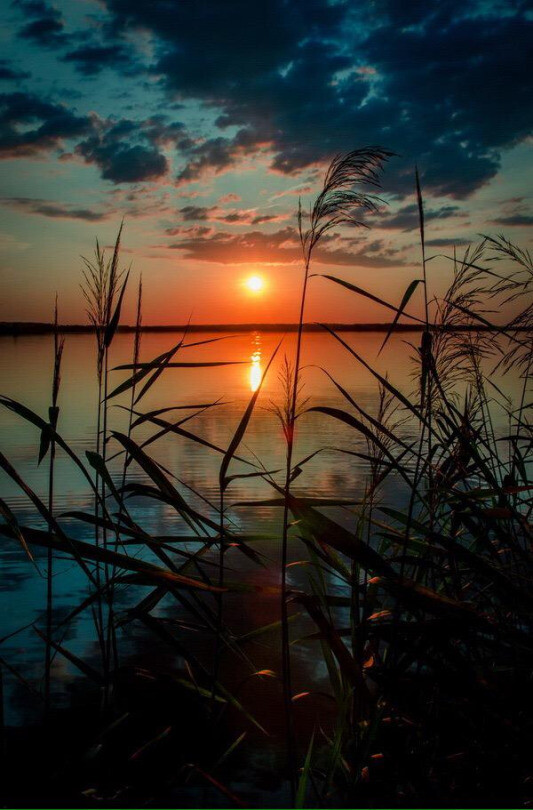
<point x="255" y="284"/>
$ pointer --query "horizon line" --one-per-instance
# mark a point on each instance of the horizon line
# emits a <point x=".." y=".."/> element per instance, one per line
<point x="13" y="328"/>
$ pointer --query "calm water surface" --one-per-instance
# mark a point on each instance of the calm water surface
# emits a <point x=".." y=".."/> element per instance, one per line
<point x="25" y="371"/>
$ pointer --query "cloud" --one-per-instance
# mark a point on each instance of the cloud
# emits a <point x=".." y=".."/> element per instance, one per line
<point x="443" y="84"/>
<point x="226" y="198"/>
<point x="280" y="247"/>
<point x="213" y="213"/>
<point x="53" y="210"/>
<point x="91" y="59"/>
<point x="514" y="220"/>
<point x="29" y="125"/>
<point x="297" y="191"/>
<point x="46" y="28"/>
<point x="406" y="218"/>
<point x="8" y="73"/>
<point x="195" y="212"/>
<point x="112" y="147"/>
<point x="263" y="218"/>
<point x="124" y="150"/>
<point x="216" y="155"/>
<point x="444" y="242"/>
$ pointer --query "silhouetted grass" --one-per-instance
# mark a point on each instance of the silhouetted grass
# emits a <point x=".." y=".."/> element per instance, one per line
<point x="420" y="613"/>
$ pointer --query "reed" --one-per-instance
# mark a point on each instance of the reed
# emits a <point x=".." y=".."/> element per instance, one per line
<point x="419" y="609"/>
<point x="103" y="290"/>
<point x="50" y="444"/>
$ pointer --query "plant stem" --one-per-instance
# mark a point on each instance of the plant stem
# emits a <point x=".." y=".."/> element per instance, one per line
<point x="285" y="649"/>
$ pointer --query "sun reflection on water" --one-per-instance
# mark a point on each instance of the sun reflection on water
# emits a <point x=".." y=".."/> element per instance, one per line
<point x="255" y="366"/>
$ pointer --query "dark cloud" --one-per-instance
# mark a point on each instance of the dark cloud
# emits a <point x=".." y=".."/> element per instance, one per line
<point x="29" y="125"/>
<point x="442" y="83"/>
<point x="444" y="243"/>
<point x="193" y="231"/>
<point x="213" y="213"/>
<point x="91" y="59"/>
<point x="46" y="27"/>
<point x="160" y="131"/>
<point x="123" y="163"/>
<point x="215" y="155"/>
<point x="125" y="151"/>
<point x="406" y="218"/>
<point x="514" y="220"/>
<point x="8" y="73"/>
<point x="235" y="42"/>
<point x="113" y="148"/>
<point x="54" y="210"/>
<point x="191" y="213"/>
<point x="280" y="247"/>
<point x="262" y="218"/>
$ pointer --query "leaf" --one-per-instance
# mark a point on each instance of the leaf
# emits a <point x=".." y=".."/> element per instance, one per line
<point x="335" y="643"/>
<point x="86" y="551"/>
<point x="405" y="300"/>
<point x="142" y="373"/>
<point x="43" y="511"/>
<point x="420" y="597"/>
<point x="366" y="294"/>
<point x="151" y="743"/>
<point x="241" y="428"/>
<point x="302" y="782"/>
<point x="150" y="366"/>
<point x="231" y="749"/>
<point x="143" y="417"/>
<point x="306" y="501"/>
<point x="83" y="667"/>
<point x="420" y="212"/>
<point x="159" y="629"/>
<point x="150" y="467"/>
<point x="179" y="431"/>
<point x="325" y="530"/>
<point x="220" y="786"/>
<point x="383" y="380"/>
<point x="250" y="475"/>
<point x="8" y="515"/>
<point x="266" y="628"/>
<point x="208" y="340"/>
<point x="36" y="420"/>
<point x="44" y="445"/>
<point x="377" y="424"/>
<point x="111" y="327"/>
<point x="97" y="463"/>
<point x="352" y="421"/>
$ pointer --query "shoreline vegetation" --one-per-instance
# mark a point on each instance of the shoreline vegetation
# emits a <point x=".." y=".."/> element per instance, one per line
<point x="16" y="328"/>
<point x="415" y="595"/>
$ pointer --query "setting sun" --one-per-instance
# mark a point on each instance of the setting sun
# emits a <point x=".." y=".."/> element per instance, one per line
<point x="255" y="284"/>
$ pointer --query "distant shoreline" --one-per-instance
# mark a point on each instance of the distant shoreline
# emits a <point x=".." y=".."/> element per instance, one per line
<point x="16" y="328"/>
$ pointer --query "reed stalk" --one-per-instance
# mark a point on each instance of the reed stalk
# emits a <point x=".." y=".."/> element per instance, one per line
<point x="53" y="418"/>
<point x="100" y="287"/>
<point x="334" y="207"/>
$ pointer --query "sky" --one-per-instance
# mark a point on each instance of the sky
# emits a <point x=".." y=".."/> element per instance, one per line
<point x="202" y="124"/>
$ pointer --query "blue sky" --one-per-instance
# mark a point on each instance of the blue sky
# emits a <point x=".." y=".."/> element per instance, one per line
<point x="201" y="124"/>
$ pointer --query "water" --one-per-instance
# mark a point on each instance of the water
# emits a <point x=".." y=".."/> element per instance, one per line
<point x="26" y="370"/>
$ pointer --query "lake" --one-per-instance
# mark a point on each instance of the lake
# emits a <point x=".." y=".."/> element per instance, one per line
<point x="26" y="368"/>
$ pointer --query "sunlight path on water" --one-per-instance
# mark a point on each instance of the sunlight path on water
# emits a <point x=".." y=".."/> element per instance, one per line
<point x="255" y="367"/>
